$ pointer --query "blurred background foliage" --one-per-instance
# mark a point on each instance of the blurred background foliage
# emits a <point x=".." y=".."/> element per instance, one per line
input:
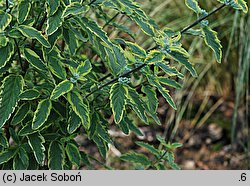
<point x="212" y="119"/>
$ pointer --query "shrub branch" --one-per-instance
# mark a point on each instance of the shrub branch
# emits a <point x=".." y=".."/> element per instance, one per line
<point x="143" y="65"/>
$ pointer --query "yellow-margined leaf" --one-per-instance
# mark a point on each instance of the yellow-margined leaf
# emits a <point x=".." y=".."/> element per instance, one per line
<point x="5" y="20"/>
<point x="36" y="142"/>
<point x="56" y="156"/>
<point x="118" y="96"/>
<point x="42" y="113"/>
<point x="6" y="53"/>
<point x="11" y="88"/>
<point x="23" y="11"/>
<point x="33" y="33"/>
<point x="75" y="8"/>
<point x="61" y="89"/>
<point x="52" y="6"/>
<point x="34" y="60"/>
<point x="79" y="107"/>
<point x="212" y="41"/>
<point x="73" y="154"/>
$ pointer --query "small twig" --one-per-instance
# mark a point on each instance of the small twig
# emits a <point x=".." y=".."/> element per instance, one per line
<point x="39" y="27"/>
<point x="92" y="2"/>
<point x="7" y="4"/>
<point x="19" y="54"/>
<point x="116" y="79"/>
<point x="157" y="160"/>
<point x="104" y="77"/>
<point x="109" y="21"/>
<point x="15" y="41"/>
<point x="202" y="18"/>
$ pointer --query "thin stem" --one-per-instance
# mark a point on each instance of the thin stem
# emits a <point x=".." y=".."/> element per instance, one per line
<point x="143" y="65"/>
<point x="19" y="54"/>
<point x="15" y="41"/>
<point x="105" y="77"/>
<point x="202" y="18"/>
<point x="92" y="2"/>
<point x="39" y="27"/>
<point x="157" y="160"/>
<point x="7" y="4"/>
<point x="116" y="79"/>
<point x="109" y="21"/>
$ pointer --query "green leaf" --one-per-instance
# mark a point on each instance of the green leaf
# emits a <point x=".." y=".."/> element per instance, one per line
<point x="54" y="22"/>
<point x="61" y="89"/>
<point x="52" y="6"/>
<point x="133" y="127"/>
<point x="193" y="5"/>
<point x="165" y="93"/>
<point x="152" y="101"/>
<point x="42" y="113"/>
<point x="85" y="159"/>
<point x="102" y="145"/>
<point x="74" y="9"/>
<point x="133" y="10"/>
<point x="14" y="135"/>
<point x="26" y="129"/>
<point x="21" y="160"/>
<point x="74" y="122"/>
<point x="243" y="5"/>
<point x="118" y="95"/>
<point x="180" y="55"/>
<point x="123" y="125"/>
<point x="95" y="29"/>
<point x="21" y="113"/>
<point x="173" y="145"/>
<point x="170" y="70"/>
<point x="36" y="142"/>
<point x="53" y="38"/>
<point x="212" y="41"/>
<point x="5" y="20"/>
<point x="105" y="48"/>
<point x="3" y="40"/>
<point x="3" y="140"/>
<point x="73" y="154"/>
<point x="145" y="26"/>
<point x="154" y="56"/>
<point x="11" y="88"/>
<point x="136" y="49"/>
<point x="150" y="148"/>
<point x="136" y="158"/>
<point x="169" y="146"/>
<point x="103" y="133"/>
<point x="23" y="11"/>
<point x="56" y="156"/>
<point x="169" y="82"/>
<point x="32" y="33"/>
<point x="56" y="67"/>
<point x="79" y="107"/>
<point x="71" y="40"/>
<point x="137" y="104"/>
<point x="6" y="155"/>
<point x="29" y="94"/>
<point x="161" y="139"/>
<point x="84" y="68"/>
<point x="34" y="60"/>
<point x="6" y="53"/>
